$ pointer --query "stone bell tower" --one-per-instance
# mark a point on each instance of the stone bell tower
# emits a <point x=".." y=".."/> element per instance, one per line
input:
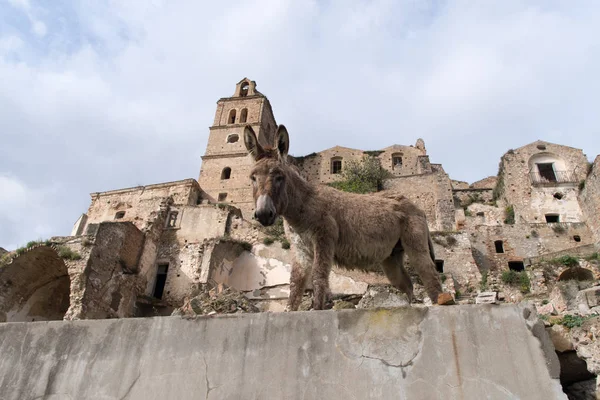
<point x="225" y="164"/>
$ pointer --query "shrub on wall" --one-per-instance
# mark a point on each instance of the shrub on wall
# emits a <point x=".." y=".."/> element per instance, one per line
<point x="509" y="215"/>
<point x="364" y="176"/>
<point x="520" y="279"/>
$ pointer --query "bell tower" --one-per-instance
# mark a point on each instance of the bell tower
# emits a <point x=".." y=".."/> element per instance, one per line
<point x="225" y="164"/>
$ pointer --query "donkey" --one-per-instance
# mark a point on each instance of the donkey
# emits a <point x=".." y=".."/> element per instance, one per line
<point x="327" y="226"/>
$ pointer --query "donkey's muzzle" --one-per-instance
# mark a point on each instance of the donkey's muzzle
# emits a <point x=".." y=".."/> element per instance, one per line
<point x="265" y="217"/>
<point x="265" y="210"/>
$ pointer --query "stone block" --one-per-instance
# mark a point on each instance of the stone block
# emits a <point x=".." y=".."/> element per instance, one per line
<point x="486" y="298"/>
<point x="560" y="338"/>
<point x="445" y="299"/>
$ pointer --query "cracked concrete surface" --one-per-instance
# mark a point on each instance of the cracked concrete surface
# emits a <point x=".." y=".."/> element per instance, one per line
<point x="462" y="352"/>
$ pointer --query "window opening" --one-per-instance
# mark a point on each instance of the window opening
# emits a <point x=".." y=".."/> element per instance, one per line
<point x="552" y="218"/>
<point x="516" y="266"/>
<point x="244" y="115"/>
<point x="577" y="238"/>
<point x="120" y="215"/>
<point x="558" y="196"/>
<point x="233" y="138"/>
<point x="396" y="162"/>
<point x="336" y="166"/>
<point x="244" y="89"/>
<point x="232" y="116"/>
<point x="547" y="171"/>
<point x="172" y="219"/>
<point x="499" y="246"/>
<point x="439" y="266"/>
<point x="161" y="280"/>
<point x="226" y="173"/>
<point x="222" y="196"/>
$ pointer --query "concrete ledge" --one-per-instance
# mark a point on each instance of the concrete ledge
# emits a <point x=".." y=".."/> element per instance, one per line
<point x="462" y="352"/>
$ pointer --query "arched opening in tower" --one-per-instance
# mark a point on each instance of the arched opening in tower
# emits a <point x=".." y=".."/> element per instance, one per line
<point x="576" y="273"/>
<point x="35" y="287"/>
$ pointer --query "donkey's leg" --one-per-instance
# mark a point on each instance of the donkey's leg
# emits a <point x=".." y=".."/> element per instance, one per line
<point x="393" y="266"/>
<point x="323" y="259"/>
<point x="415" y="239"/>
<point x="298" y="279"/>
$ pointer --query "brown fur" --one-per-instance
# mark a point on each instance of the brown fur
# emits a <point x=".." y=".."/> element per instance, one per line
<point x="327" y="226"/>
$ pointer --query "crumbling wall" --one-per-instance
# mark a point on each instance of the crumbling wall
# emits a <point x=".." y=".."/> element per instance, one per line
<point x="109" y="284"/>
<point x="590" y="200"/>
<point x="522" y="241"/>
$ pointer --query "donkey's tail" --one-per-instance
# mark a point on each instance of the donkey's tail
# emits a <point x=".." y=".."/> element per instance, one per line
<point x="431" y="252"/>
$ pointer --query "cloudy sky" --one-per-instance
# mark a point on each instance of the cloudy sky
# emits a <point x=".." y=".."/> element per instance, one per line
<point x="98" y="95"/>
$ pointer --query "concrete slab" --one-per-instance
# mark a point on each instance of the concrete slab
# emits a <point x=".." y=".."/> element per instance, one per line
<point x="461" y="352"/>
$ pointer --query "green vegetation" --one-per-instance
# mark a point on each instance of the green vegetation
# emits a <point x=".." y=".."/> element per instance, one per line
<point x="268" y="241"/>
<point x="520" y="279"/>
<point x="68" y="254"/>
<point x="572" y="321"/>
<point x="457" y="294"/>
<point x="566" y="260"/>
<point x="593" y="257"/>
<point x="245" y="245"/>
<point x="373" y="153"/>
<point x="483" y="285"/>
<point x="443" y="277"/>
<point x="582" y="184"/>
<point x="509" y="215"/>
<point x="467" y="212"/>
<point x="364" y="176"/>
<point x="285" y="244"/>
<point x="499" y="188"/>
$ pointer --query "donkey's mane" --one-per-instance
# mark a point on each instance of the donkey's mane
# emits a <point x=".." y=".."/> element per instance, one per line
<point x="268" y="152"/>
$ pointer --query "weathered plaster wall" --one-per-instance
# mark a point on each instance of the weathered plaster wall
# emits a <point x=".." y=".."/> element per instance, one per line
<point x="138" y="203"/>
<point x="531" y="201"/>
<point x="465" y="352"/>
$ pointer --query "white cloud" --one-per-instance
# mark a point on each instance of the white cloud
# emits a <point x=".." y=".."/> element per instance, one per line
<point x="125" y="91"/>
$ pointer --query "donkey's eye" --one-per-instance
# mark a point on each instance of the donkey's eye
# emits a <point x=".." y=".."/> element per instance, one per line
<point x="279" y="178"/>
<point x="253" y="178"/>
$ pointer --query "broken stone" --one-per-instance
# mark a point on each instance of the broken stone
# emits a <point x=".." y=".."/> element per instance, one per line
<point x="226" y="301"/>
<point x="486" y="298"/>
<point x="445" y="299"/>
<point x="560" y="338"/>
<point x="384" y="297"/>
<point x="342" y="304"/>
<point x="546" y="309"/>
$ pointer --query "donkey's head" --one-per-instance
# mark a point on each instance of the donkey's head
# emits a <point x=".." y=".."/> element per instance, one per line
<point x="269" y="174"/>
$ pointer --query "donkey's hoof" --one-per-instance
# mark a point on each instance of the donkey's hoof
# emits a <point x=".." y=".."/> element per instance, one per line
<point x="445" y="299"/>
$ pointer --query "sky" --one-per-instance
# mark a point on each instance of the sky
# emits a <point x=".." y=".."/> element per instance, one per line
<point x="98" y="95"/>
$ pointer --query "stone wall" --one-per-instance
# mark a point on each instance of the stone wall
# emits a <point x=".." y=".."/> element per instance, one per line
<point x="590" y="200"/>
<point x="431" y="192"/>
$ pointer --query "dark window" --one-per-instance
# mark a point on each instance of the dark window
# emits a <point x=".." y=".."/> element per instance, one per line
<point x="120" y="215"/>
<point x="516" y="266"/>
<point x="226" y="173"/>
<point x="499" y="246"/>
<point x="558" y="196"/>
<point x="480" y="214"/>
<point x="547" y="171"/>
<point x="161" y="280"/>
<point x="336" y="166"/>
<point x="541" y="147"/>
<point x="172" y="219"/>
<point x="233" y="138"/>
<point x="551" y="218"/>
<point x="439" y="266"/>
<point x="222" y="196"/>
<point x="244" y="115"/>
<point x="232" y="117"/>
<point x="577" y="238"/>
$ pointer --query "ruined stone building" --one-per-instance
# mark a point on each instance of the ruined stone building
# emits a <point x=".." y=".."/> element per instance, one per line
<point x="145" y="250"/>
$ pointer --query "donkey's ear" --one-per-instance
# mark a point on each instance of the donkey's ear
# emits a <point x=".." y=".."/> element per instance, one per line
<point x="282" y="141"/>
<point x="254" y="148"/>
